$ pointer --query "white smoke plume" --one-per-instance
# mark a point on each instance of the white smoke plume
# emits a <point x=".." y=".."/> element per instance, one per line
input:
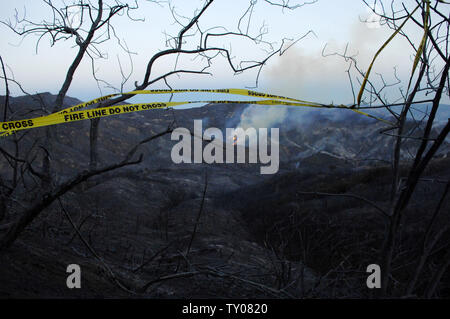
<point x="308" y="75"/>
<point x="262" y="116"/>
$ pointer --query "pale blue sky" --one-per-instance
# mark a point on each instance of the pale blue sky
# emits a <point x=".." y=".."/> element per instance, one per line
<point x="302" y="72"/>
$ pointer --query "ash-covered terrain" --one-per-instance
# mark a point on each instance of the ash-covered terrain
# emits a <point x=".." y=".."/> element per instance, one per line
<point x="163" y="230"/>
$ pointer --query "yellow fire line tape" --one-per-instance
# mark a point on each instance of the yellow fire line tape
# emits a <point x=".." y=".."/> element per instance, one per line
<point x="136" y="92"/>
<point x="224" y="91"/>
<point x="75" y="113"/>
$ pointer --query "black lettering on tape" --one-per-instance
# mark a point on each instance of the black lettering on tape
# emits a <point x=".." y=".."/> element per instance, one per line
<point x="17" y="124"/>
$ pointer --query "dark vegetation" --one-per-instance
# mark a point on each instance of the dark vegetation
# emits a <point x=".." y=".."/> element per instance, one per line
<point x="256" y="236"/>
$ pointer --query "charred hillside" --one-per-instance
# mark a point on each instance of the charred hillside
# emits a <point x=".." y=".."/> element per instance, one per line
<point x="164" y="230"/>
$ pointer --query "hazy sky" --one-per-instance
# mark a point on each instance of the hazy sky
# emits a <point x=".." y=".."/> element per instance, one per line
<point x="301" y="72"/>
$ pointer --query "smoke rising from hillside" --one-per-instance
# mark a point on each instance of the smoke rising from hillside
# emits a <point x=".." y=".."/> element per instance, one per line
<point x="258" y="117"/>
<point x="314" y="77"/>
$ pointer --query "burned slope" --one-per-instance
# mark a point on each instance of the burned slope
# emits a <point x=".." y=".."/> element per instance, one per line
<point x="325" y="221"/>
<point x="145" y="230"/>
<point x="151" y="230"/>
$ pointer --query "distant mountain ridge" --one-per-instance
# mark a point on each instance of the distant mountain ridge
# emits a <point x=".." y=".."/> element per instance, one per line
<point x="341" y="135"/>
